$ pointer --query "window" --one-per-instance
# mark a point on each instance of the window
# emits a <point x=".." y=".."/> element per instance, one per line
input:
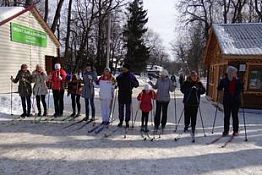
<point x="255" y="78"/>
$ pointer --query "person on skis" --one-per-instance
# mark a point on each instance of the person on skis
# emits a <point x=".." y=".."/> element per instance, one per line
<point x="126" y="81"/>
<point x="192" y="88"/>
<point x="106" y="85"/>
<point x="88" y="92"/>
<point x="145" y="98"/>
<point x="232" y="87"/>
<point x="40" y="89"/>
<point x="164" y="85"/>
<point x="57" y="80"/>
<point x="24" y="78"/>
<point x="75" y="88"/>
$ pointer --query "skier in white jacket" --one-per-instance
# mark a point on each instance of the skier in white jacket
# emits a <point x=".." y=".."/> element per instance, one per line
<point x="106" y="84"/>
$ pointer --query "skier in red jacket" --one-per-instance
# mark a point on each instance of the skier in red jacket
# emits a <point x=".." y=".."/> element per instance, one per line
<point x="57" y="80"/>
<point x="145" y="97"/>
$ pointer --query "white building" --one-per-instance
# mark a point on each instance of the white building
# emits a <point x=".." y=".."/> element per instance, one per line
<point x="25" y="38"/>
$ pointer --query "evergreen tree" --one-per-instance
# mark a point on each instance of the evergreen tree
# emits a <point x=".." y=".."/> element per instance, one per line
<point x="137" y="52"/>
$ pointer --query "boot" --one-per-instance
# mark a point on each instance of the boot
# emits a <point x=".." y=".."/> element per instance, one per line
<point x="78" y="115"/>
<point x="45" y="113"/>
<point x="120" y="124"/>
<point x="23" y="115"/>
<point x="127" y="124"/>
<point x="225" y="133"/>
<point x="39" y="113"/>
<point x="73" y="114"/>
<point x="146" y="129"/>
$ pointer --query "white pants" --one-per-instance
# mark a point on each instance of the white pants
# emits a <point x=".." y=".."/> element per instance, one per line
<point x="105" y="109"/>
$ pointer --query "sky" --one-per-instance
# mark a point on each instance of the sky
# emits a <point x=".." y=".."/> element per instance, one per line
<point x="162" y="19"/>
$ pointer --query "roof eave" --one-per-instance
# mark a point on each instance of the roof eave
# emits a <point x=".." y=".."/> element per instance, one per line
<point x="34" y="11"/>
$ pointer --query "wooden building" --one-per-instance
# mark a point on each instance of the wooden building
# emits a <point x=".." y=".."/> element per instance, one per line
<point x="25" y="38"/>
<point x="239" y="45"/>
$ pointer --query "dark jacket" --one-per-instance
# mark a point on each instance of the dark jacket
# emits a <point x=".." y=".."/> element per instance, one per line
<point x="192" y="91"/>
<point x="75" y="87"/>
<point x="229" y="98"/>
<point x="126" y="82"/>
<point x="25" y="80"/>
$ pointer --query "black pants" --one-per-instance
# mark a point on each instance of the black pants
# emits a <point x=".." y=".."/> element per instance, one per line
<point x="92" y="104"/>
<point x="121" y="111"/>
<point x="228" y="109"/>
<point x="76" y="101"/>
<point x="190" y="113"/>
<point x="161" y="106"/>
<point x="26" y="102"/>
<point x="144" y="118"/>
<point x="42" y="99"/>
<point x="58" y="102"/>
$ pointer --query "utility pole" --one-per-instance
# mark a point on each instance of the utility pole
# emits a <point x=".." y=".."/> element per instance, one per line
<point x="108" y="39"/>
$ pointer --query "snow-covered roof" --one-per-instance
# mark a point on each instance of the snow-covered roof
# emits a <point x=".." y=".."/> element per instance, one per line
<point x="7" y="12"/>
<point x="239" y="39"/>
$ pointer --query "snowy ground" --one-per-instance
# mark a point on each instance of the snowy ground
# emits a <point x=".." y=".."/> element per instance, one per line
<point x="28" y="148"/>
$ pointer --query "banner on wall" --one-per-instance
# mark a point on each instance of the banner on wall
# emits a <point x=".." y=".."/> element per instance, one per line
<point x="26" y="35"/>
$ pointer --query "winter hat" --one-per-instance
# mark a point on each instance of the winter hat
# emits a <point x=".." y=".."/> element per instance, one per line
<point x="147" y="87"/>
<point x="107" y="69"/>
<point x="23" y="66"/>
<point x="164" y="73"/>
<point x="127" y="66"/>
<point x="230" y="71"/>
<point x="57" y="66"/>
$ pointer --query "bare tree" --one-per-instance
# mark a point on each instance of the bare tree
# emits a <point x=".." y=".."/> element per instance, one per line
<point x="57" y="15"/>
<point x="46" y="10"/>
<point x="258" y="8"/>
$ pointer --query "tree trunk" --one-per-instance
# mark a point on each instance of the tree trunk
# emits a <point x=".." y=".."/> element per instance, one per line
<point x="28" y="3"/>
<point x="259" y="13"/>
<point x="46" y="11"/>
<point x="57" y="15"/>
<point x="68" y="31"/>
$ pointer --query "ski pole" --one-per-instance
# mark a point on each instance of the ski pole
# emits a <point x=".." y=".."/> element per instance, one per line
<point x="132" y="114"/>
<point x="133" y="124"/>
<point x="202" y="121"/>
<point x="179" y="120"/>
<point x="244" y="117"/>
<point x="215" y="116"/>
<point x="113" y="107"/>
<point x="11" y="107"/>
<point x="201" y="116"/>
<point x="152" y="112"/>
<point x="175" y="108"/>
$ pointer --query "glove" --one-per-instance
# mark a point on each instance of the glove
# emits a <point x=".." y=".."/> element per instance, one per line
<point x="194" y="88"/>
<point x="12" y="78"/>
<point x="23" y="79"/>
<point x="90" y="77"/>
<point x="60" y="78"/>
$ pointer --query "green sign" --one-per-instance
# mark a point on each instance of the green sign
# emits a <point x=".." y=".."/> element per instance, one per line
<point x="26" y="35"/>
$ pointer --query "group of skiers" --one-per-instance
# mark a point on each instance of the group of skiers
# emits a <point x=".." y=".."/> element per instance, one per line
<point x="78" y="87"/>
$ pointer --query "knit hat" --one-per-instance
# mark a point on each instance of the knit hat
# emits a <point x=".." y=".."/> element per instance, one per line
<point x="107" y="69"/>
<point x="164" y="72"/>
<point x="57" y="66"/>
<point x="147" y="87"/>
<point x="230" y="71"/>
<point x="127" y="66"/>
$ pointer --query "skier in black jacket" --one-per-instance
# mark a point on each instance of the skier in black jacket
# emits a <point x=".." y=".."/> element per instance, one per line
<point x="126" y="81"/>
<point x="192" y="88"/>
<point x="232" y="87"/>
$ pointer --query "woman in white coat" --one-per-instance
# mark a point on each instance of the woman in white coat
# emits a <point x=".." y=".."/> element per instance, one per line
<point x="106" y="84"/>
<point x="40" y="88"/>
